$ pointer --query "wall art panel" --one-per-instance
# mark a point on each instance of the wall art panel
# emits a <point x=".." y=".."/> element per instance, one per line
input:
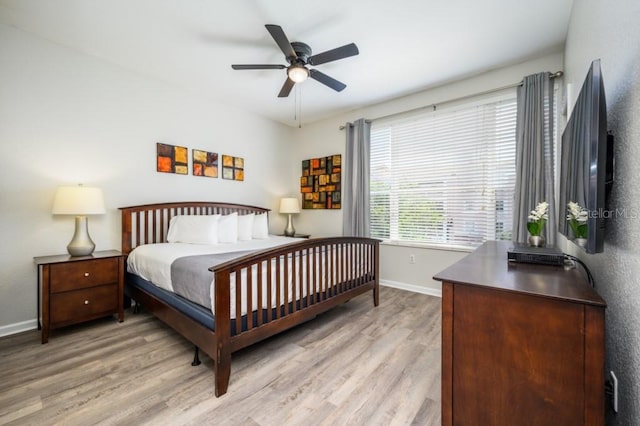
<point x="172" y="159"/>
<point x="320" y="182"/>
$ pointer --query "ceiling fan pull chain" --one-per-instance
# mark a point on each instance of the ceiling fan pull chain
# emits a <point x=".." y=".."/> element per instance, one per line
<point x="300" y="109"/>
<point x="295" y="105"/>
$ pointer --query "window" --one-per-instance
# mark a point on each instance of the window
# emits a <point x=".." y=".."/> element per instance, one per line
<point x="445" y="177"/>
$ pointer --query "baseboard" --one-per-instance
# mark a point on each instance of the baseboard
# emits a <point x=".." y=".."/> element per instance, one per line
<point x="18" y="327"/>
<point x="412" y="287"/>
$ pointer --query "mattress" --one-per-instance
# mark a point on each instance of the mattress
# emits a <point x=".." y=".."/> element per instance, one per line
<point x="153" y="263"/>
<point x="198" y="313"/>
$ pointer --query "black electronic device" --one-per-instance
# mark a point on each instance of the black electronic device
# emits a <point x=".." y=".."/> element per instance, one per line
<point x="523" y="253"/>
<point x="587" y="163"/>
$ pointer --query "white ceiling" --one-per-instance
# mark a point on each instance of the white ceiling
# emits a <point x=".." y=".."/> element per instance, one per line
<point x="405" y="45"/>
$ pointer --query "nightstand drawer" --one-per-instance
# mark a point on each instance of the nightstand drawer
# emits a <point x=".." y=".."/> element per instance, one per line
<point x="88" y="273"/>
<point x="81" y="305"/>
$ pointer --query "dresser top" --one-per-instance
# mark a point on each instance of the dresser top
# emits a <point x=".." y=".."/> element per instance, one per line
<point x="488" y="266"/>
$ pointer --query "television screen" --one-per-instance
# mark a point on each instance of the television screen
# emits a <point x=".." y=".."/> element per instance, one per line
<point x="584" y="166"/>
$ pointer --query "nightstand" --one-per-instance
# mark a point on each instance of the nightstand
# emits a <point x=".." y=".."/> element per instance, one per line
<point x="74" y="289"/>
<point x="296" y="235"/>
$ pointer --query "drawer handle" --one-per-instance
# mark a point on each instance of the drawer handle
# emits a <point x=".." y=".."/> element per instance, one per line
<point x="86" y="274"/>
<point x="86" y="302"/>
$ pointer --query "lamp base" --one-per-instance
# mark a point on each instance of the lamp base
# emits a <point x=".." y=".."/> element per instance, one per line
<point x="81" y="243"/>
<point x="290" y="231"/>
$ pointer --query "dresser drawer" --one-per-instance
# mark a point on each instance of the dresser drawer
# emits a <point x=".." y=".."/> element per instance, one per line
<point x="81" y="305"/>
<point x="84" y="274"/>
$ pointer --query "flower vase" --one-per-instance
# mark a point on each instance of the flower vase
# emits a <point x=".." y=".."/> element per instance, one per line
<point x="536" y="241"/>
<point x="582" y="242"/>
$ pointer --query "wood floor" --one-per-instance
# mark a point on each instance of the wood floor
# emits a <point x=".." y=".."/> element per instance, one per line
<point x="353" y="365"/>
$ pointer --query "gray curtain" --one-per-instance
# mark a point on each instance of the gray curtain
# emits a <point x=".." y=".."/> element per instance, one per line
<point x="534" y="155"/>
<point x="355" y="181"/>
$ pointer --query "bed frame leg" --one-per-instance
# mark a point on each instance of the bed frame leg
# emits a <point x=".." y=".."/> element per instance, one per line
<point x="196" y="358"/>
<point x="376" y="296"/>
<point x="222" y="370"/>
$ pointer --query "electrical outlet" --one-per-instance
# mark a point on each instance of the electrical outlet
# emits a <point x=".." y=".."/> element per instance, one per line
<point x="614" y="395"/>
<point x="412" y="258"/>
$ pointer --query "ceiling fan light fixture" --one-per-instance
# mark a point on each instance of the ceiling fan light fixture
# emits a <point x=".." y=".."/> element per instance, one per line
<point x="298" y="73"/>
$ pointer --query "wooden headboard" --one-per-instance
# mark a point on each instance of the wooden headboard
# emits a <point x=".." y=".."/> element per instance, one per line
<point x="149" y="223"/>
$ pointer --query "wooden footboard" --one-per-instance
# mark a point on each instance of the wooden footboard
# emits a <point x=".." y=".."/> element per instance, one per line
<point x="271" y="290"/>
<point x="304" y="278"/>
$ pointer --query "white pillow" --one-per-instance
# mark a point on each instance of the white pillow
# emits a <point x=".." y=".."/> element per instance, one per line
<point x="228" y="228"/>
<point x="245" y="226"/>
<point x="194" y="229"/>
<point x="260" y="227"/>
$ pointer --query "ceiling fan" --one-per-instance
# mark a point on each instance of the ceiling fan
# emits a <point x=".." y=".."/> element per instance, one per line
<point x="299" y="56"/>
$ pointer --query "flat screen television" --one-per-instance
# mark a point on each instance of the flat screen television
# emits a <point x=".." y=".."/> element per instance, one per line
<point x="586" y="166"/>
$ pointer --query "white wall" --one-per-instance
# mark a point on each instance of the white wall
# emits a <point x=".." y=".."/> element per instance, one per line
<point x="66" y="118"/>
<point x="610" y="31"/>
<point x="325" y="138"/>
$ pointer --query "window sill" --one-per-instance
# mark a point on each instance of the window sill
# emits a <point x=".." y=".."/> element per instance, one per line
<point x="427" y="246"/>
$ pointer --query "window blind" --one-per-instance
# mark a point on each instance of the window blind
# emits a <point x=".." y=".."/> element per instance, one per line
<point x="445" y="177"/>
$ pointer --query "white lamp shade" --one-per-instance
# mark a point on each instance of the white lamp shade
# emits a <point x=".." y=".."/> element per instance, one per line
<point x="78" y="200"/>
<point x="289" y="205"/>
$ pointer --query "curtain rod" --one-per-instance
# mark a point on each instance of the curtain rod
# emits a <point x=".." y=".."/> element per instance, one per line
<point x="486" y="92"/>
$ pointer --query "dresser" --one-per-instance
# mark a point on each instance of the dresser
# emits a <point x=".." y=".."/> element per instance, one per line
<point x="521" y="344"/>
<point x="74" y="289"/>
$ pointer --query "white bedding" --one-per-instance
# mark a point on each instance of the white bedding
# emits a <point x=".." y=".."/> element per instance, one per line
<point x="153" y="261"/>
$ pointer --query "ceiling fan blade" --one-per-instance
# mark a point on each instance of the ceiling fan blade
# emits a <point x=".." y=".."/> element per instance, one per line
<point x="281" y="40"/>
<point x="334" y="54"/>
<point x="286" y="88"/>
<point x="258" y="67"/>
<point x="326" y="80"/>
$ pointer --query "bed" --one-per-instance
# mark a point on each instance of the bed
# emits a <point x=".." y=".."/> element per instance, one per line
<point x="255" y="294"/>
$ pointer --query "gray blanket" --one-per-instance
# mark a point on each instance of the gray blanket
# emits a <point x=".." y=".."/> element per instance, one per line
<point x="191" y="278"/>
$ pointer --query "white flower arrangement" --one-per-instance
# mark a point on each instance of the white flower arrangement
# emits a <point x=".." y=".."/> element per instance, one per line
<point x="577" y="218"/>
<point x="538" y="218"/>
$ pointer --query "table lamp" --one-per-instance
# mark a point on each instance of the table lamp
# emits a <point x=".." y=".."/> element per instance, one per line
<point x="79" y="201"/>
<point x="289" y="206"/>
